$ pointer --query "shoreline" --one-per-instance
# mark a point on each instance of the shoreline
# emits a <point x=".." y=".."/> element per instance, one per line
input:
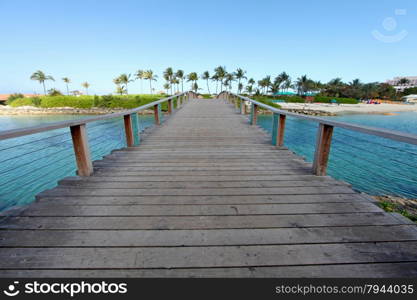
<point x="31" y="110"/>
<point x="342" y="109"/>
<point x="313" y="109"/>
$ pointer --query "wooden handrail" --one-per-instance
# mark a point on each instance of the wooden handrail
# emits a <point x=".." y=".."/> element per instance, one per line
<point x="325" y="130"/>
<point x="79" y="132"/>
<point x="385" y="133"/>
<point x="8" y="134"/>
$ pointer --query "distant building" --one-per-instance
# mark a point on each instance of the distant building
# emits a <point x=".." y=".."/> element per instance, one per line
<point x="410" y="98"/>
<point x="399" y="86"/>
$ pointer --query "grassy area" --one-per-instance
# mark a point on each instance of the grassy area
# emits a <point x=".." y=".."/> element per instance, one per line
<point x="206" y="96"/>
<point x="406" y="207"/>
<point x="106" y="101"/>
<point x="267" y="101"/>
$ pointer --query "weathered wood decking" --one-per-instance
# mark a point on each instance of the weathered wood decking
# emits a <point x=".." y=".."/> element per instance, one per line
<point x="206" y="195"/>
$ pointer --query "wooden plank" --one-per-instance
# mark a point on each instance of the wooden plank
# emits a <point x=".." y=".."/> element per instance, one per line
<point x="200" y="222"/>
<point x="230" y="256"/>
<point x="207" y="178"/>
<point x="197" y="185"/>
<point x="219" y="237"/>
<point x="368" y="270"/>
<point x="200" y="200"/>
<point x="48" y="209"/>
<point x="199" y="192"/>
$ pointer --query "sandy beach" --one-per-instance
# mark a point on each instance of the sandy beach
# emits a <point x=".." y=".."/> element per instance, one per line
<point x="352" y="108"/>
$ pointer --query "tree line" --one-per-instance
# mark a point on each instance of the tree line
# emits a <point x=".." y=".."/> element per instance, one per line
<point x="224" y="80"/>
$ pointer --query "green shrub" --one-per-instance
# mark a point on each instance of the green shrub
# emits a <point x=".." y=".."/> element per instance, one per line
<point x="267" y="101"/>
<point x="206" y="96"/>
<point x="106" y="101"/>
<point x="327" y="99"/>
<point x="13" y="97"/>
<point x="67" y="101"/>
<point x="22" y="102"/>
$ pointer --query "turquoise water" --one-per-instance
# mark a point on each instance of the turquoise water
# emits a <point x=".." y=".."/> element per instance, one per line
<point x="31" y="164"/>
<point x="371" y="164"/>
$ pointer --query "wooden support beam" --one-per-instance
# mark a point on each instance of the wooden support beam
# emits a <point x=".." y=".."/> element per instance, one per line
<point x="81" y="150"/>
<point x="321" y="156"/>
<point x="170" y="106"/>
<point x="254" y="114"/>
<point x="128" y="130"/>
<point x="156" y="113"/>
<point x="242" y="107"/>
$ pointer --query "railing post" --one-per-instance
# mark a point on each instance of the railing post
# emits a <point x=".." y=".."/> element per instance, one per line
<point x="278" y="129"/>
<point x="81" y="150"/>
<point x="242" y="107"/>
<point x="128" y="130"/>
<point x="323" y="143"/>
<point x="253" y="114"/>
<point x="170" y="106"/>
<point x="156" y="113"/>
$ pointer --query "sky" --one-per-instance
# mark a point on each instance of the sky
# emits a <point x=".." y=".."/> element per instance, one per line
<point x="95" y="41"/>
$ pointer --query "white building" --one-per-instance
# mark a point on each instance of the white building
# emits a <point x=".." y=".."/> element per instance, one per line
<point x="395" y="82"/>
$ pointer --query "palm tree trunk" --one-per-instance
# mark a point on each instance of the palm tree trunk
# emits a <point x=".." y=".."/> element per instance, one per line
<point x="44" y="89"/>
<point x="208" y="87"/>
<point x="150" y="86"/>
<point x="67" y="90"/>
<point x="127" y="93"/>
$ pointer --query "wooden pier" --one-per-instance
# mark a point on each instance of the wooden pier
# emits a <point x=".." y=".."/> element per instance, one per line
<point x="206" y="195"/>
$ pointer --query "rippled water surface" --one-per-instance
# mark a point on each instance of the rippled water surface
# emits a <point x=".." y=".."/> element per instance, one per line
<point x="371" y="164"/>
<point x="33" y="163"/>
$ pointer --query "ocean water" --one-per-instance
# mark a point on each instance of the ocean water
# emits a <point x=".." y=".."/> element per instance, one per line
<point x="33" y="163"/>
<point x="370" y="164"/>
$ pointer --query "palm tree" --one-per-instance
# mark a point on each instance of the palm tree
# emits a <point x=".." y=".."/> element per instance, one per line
<point x="403" y="81"/>
<point x="176" y="82"/>
<point x="239" y="75"/>
<point x="139" y="75"/>
<point x="193" y="77"/>
<point x="41" y="77"/>
<point x="120" y="89"/>
<point x="206" y="76"/>
<point x="168" y="76"/>
<point x="195" y="87"/>
<point x="216" y="79"/>
<point x="85" y="85"/>
<point x="220" y="74"/>
<point x="166" y="87"/>
<point x="149" y="75"/>
<point x="249" y="89"/>
<point x="180" y="76"/>
<point x="125" y="79"/>
<point x="67" y="81"/>
<point x="334" y="87"/>
<point x="229" y="78"/>
<point x="287" y="84"/>
<point x="280" y="79"/>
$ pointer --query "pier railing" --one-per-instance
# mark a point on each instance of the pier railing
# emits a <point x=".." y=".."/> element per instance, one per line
<point x="31" y="154"/>
<point x="324" y="135"/>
